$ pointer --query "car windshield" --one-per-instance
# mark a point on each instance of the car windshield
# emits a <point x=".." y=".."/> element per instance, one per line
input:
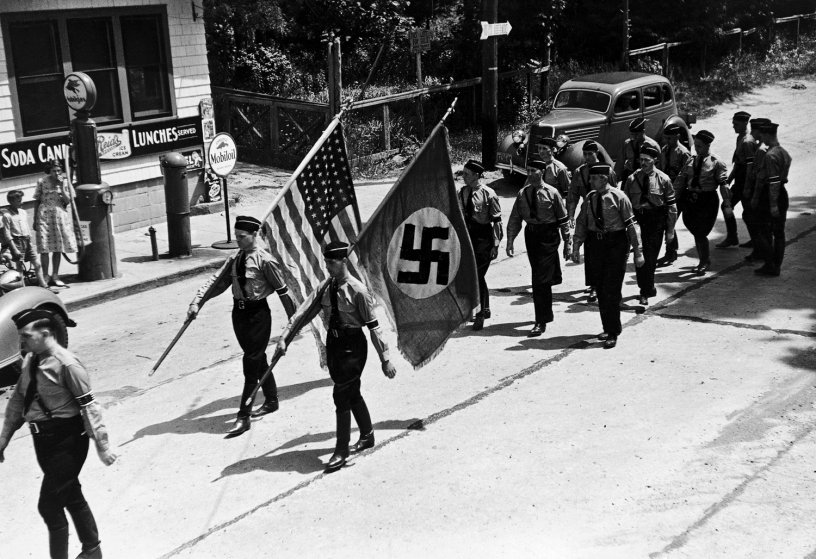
<point x="582" y="99"/>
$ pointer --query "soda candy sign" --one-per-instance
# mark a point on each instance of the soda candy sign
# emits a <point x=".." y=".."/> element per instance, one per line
<point x="113" y="145"/>
<point x="222" y="155"/>
<point x="26" y="158"/>
<point x="79" y="91"/>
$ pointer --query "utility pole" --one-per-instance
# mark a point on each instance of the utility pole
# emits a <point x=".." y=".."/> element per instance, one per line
<point x="625" y="54"/>
<point x="335" y="73"/>
<point x="490" y="88"/>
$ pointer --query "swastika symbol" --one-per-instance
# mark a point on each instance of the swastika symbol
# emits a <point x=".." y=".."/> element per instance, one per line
<point x="425" y="255"/>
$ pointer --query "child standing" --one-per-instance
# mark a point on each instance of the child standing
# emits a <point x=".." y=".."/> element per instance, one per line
<point x="17" y="235"/>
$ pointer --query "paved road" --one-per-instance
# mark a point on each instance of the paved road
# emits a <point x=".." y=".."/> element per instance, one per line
<point x="693" y="438"/>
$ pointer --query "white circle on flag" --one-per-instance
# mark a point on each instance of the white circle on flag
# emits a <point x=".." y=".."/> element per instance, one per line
<point x="222" y="154"/>
<point x="424" y="254"/>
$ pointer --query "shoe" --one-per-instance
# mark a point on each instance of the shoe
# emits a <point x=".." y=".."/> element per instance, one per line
<point x="268" y="407"/>
<point x="747" y="244"/>
<point x="337" y="461"/>
<point x="592" y="296"/>
<point x="56" y="283"/>
<point x="240" y="427"/>
<point x="486" y="313"/>
<point x="753" y="257"/>
<point x="93" y="553"/>
<point x="537" y="330"/>
<point x="603" y="336"/>
<point x="726" y="243"/>
<point x="667" y="260"/>
<point x="611" y="342"/>
<point x="702" y="268"/>
<point x="766" y="270"/>
<point x="643" y="300"/>
<point x="364" y="443"/>
<point x="478" y="324"/>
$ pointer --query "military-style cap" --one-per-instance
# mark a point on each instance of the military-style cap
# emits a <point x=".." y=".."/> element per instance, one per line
<point x="549" y="142"/>
<point x="768" y="127"/>
<point x="23" y="318"/>
<point x="536" y="162"/>
<point x="650" y="150"/>
<point x="637" y="125"/>
<point x="591" y="145"/>
<point x="741" y="116"/>
<point x="247" y="223"/>
<point x="475" y="166"/>
<point x="758" y="122"/>
<point x="673" y="129"/>
<point x="336" y="250"/>
<point x="704" y="136"/>
<point x="600" y="169"/>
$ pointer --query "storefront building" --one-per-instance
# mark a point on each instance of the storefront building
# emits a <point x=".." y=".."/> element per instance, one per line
<point x="148" y="60"/>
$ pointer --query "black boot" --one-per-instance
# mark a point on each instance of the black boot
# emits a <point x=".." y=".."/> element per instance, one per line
<point x="341" y="449"/>
<point x="731" y="238"/>
<point x="363" y="419"/>
<point x="86" y="529"/>
<point x="58" y="543"/>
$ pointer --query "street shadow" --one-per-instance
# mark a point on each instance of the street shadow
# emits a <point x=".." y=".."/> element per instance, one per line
<point x="304" y="461"/>
<point x="551" y="343"/>
<point x="202" y="420"/>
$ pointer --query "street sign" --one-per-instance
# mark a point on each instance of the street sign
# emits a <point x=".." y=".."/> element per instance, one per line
<point x="222" y="154"/>
<point x="494" y="29"/>
<point x="420" y="40"/>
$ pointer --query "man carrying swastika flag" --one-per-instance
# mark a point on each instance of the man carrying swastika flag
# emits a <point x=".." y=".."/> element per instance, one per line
<point x="417" y="254"/>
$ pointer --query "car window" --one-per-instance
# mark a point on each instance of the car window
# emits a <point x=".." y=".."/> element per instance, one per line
<point x="628" y="101"/>
<point x="651" y="96"/>
<point x="582" y="99"/>
<point x="667" y="93"/>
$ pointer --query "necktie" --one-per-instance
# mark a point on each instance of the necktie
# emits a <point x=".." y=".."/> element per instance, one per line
<point x="698" y="166"/>
<point x="334" y="317"/>
<point x="240" y="269"/>
<point x="31" y="390"/>
<point x="470" y="206"/>
<point x="532" y="202"/>
<point x="599" y="217"/>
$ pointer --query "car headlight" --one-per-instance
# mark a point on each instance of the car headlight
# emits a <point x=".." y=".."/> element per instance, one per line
<point x="519" y="136"/>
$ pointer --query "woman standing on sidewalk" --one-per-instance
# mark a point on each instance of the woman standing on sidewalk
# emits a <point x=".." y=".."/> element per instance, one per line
<point x="52" y="222"/>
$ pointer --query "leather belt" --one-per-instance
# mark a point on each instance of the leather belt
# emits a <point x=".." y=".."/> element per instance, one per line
<point x="50" y="426"/>
<point x="345" y="331"/>
<point x="244" y="304"/>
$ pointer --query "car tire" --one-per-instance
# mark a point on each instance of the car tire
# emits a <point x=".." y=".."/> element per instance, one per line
<point x="61" y="328"/>
<point x="514" y="178"/>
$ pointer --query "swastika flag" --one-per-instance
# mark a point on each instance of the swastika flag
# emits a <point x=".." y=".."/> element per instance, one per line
<point x="416" y="253"/>
<point x="316" y="207"/>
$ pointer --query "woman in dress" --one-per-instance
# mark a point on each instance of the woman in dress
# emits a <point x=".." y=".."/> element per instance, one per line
<point x="52" y="221"/>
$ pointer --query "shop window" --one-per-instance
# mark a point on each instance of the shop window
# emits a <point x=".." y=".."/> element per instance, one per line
<point x="125" y="52"/>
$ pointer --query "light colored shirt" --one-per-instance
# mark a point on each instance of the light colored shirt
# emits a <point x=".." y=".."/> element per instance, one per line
<point x="536" y="206"/>
<point x="262" y="278"/>
<point x="649" y="191"/>
<point x="486" y="205"/>
<point x="711" y="173"/>
<point x="355" y="304"/>
<point x="17" y="223"/>
<point x="617" y="214"/>
<point x="674" y="160"/>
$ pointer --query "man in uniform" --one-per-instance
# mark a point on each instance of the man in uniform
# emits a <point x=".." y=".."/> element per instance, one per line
<point x="554" y="172"/>
<point x="253" y="275"/>
<point x="753" y="164"/>
<point x="482" y="212"/>
<point x="579" y="188"/>
<point x="53" y="394"/>
<point x="633" y="145"/>
<point x="348" y="306"/>
<point x="770" y="201"/>
<point x="697" y="191"/>
<point x="607" y="225"/>
<point x="674" y="157"/>
<point x="743" y="151"/>
<point x="652" y="195"/>
<point x="542" y="208"/>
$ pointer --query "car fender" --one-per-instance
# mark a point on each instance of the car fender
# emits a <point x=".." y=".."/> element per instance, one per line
<point x="573" y="155"/>
<point x="11" y="303"/>
<point x="685" y="136"/>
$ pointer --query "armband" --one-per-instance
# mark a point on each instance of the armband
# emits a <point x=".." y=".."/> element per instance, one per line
<point x="85" y="399"/>
<point x="282" y="291"/>
<point x="373" y="324"/>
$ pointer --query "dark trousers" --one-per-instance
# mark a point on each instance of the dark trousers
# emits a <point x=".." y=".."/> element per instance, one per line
<point x="750" y="220"/>
<point x="609" y="255"/>
<point x="652" y="230"/>
<point x="481" y="237"/>
<point x="699" y="215"/>
<point x="61" y="453"/>
<point x="543" y="302"/>
<point x="771" y="231"/>
<point x="346" y="354"/>
<point x="253" y="326"/>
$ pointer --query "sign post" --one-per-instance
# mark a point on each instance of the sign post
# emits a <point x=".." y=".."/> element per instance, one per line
<point x="222" y="156"/>
<point x="420" y="40"/>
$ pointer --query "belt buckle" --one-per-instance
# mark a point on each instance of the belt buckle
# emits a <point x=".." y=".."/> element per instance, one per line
<point x="241" y="304"/>
<point x="35" y="429"/>
<point x="599" y="235"/>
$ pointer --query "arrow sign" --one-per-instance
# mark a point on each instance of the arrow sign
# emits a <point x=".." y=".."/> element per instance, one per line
<point x="494" y="29"/>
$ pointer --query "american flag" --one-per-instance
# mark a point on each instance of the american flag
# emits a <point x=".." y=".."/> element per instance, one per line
<point x="317" y="207"/>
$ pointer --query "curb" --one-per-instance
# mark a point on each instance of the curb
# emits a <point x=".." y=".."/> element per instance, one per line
<point x="140" y="287"/>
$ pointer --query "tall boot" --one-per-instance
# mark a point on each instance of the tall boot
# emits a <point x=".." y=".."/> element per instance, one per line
<point x="341" y="449"/>
<point x="363" y="419"/>
<point x="87" y="531"/>
<point x="731" y="236"/>
<point x="58" y="543"/>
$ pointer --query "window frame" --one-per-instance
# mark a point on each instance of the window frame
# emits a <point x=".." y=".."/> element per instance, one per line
<point x="61" y="17"/>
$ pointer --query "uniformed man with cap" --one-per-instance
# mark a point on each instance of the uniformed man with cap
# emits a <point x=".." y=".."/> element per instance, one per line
<point x="743" y="151"/>
<point x="632" y="146"/>
<point x="770" y="201"/>
<point x="606" y="224"/>
<point x="54" y="395"/>
<point x="697" y="189"/>
<point x="347" y="306"/>
<point x="542" y="208"/>
<point x="753" y="163"/>
<point x="482" y="212"/>
<point x="554" y="172"/>
<point x="652" y="195"/>
<point x="579" y="188"/>
<point x="253" y="275"/>
<point x="674" y="157"/>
